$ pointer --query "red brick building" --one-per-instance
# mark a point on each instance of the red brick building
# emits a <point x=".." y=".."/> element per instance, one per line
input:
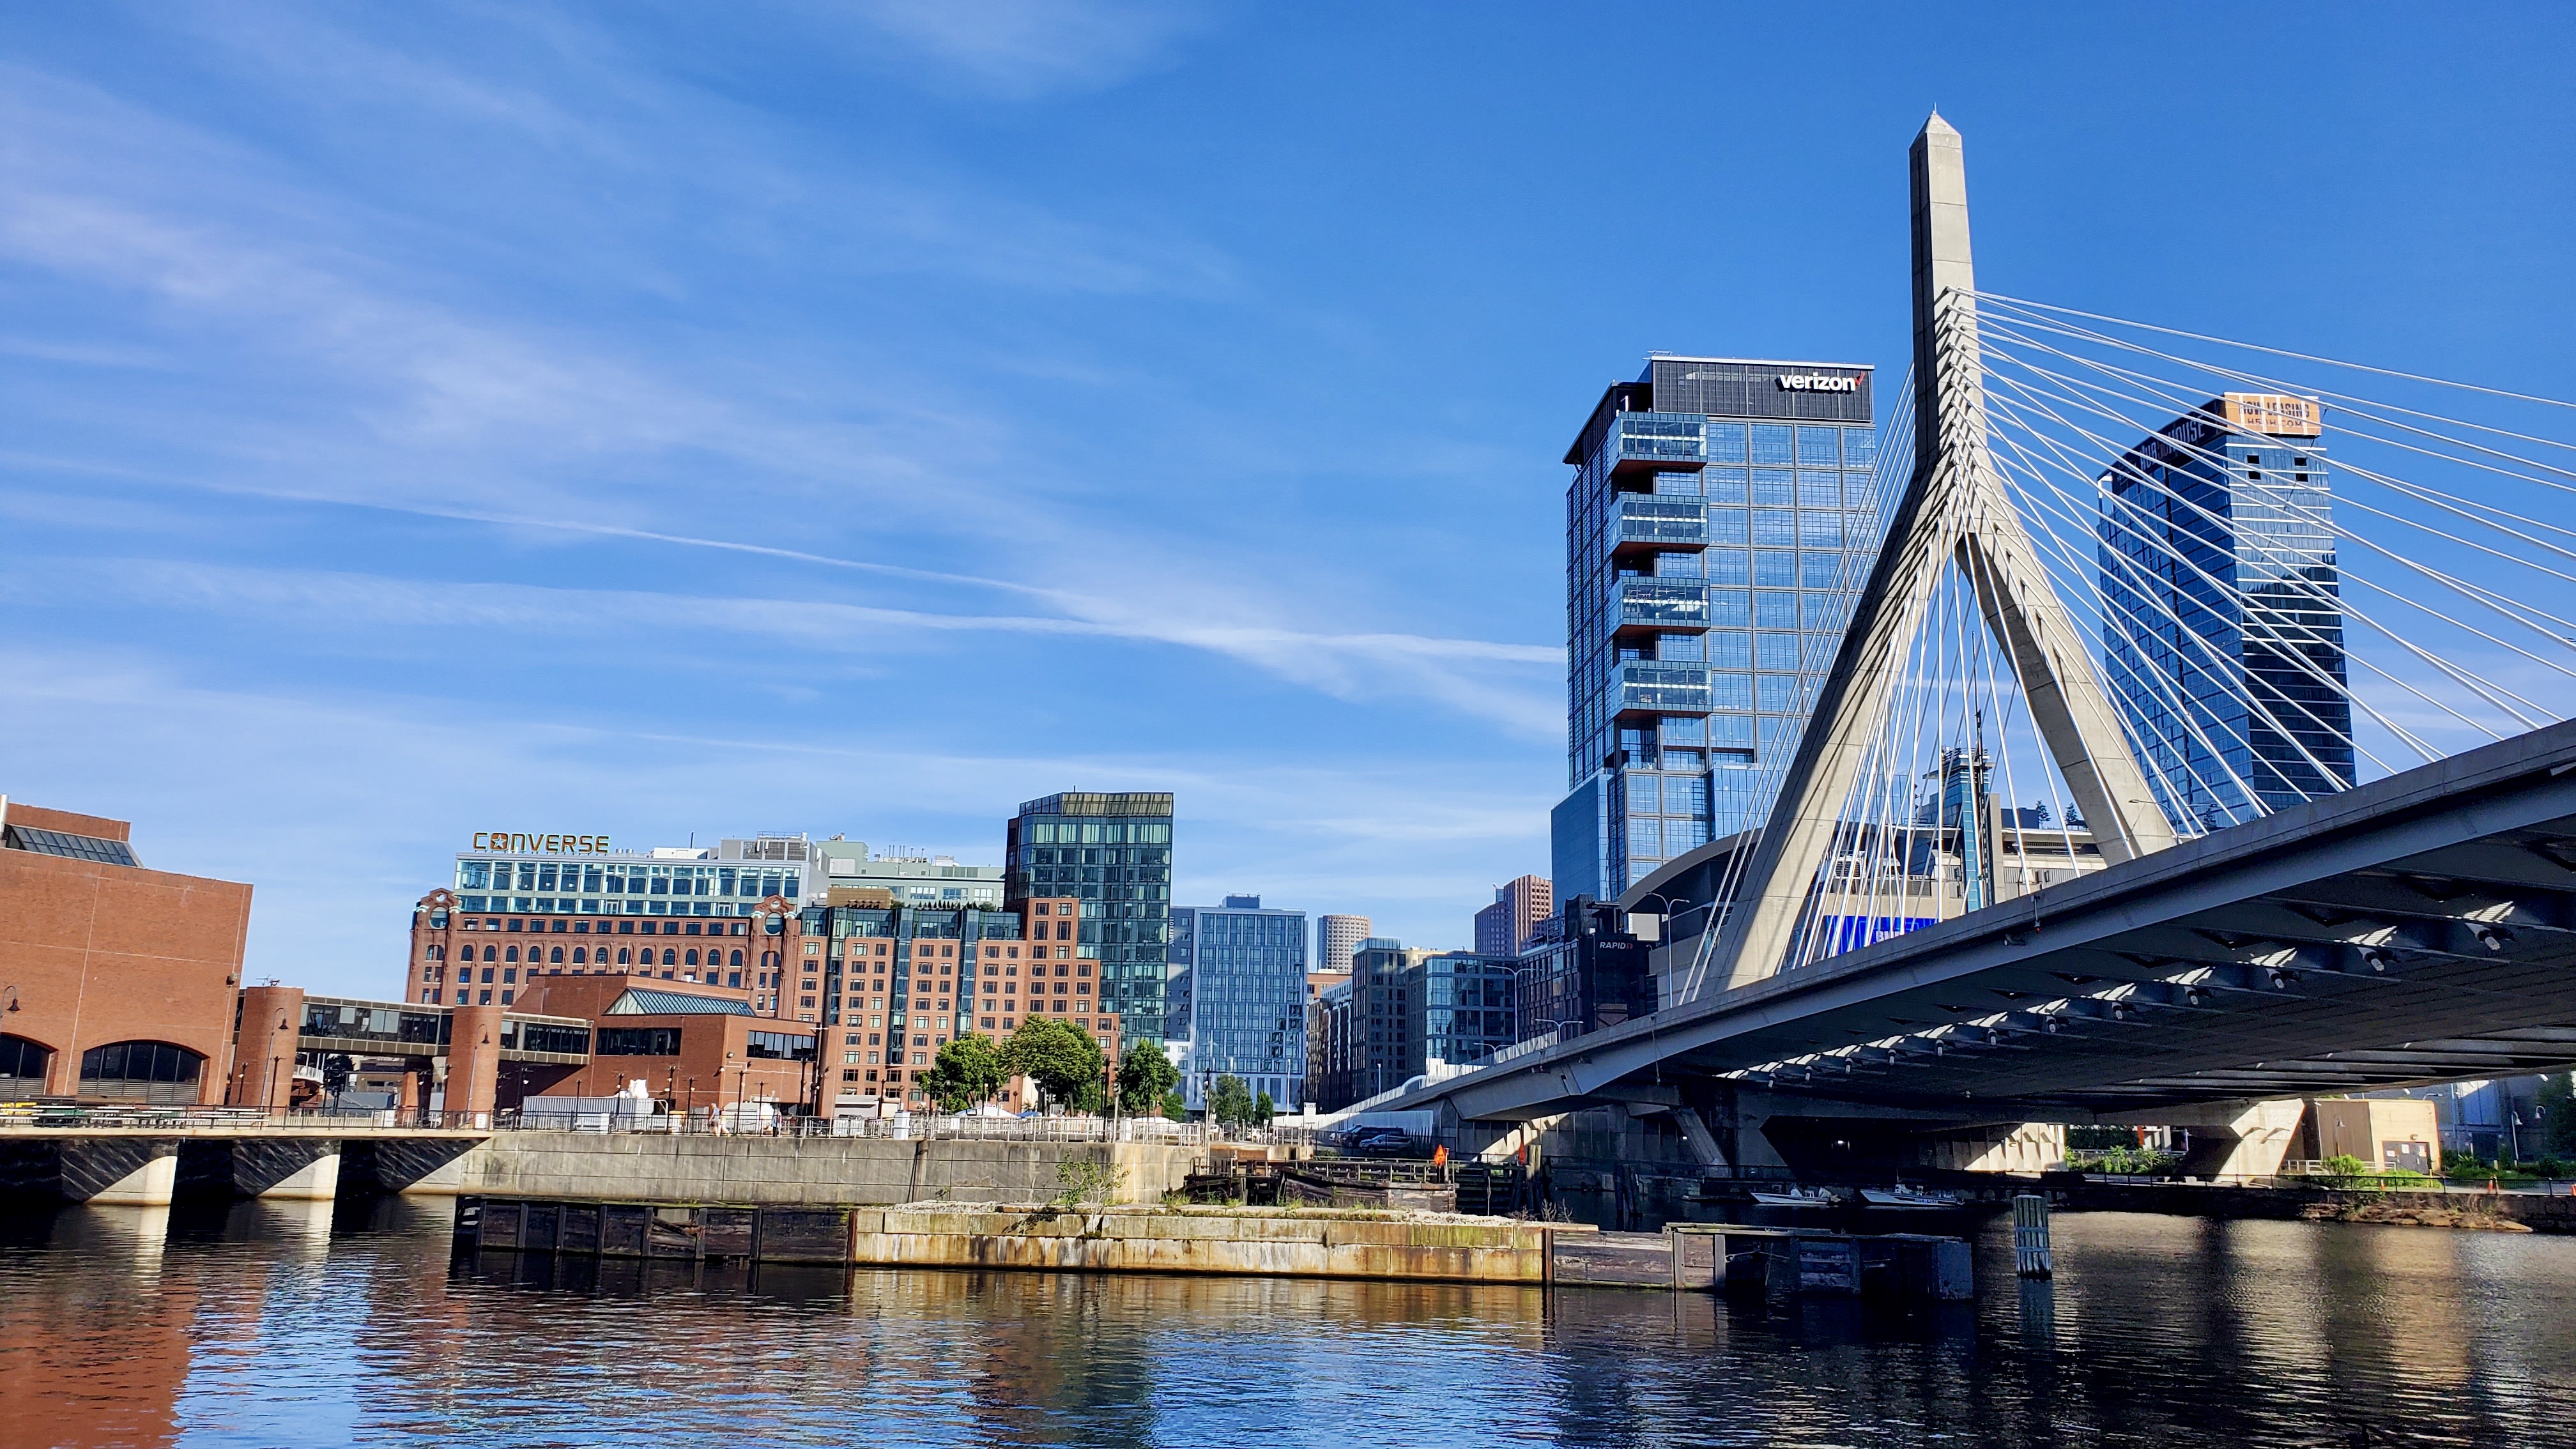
<point x="484" y="958"/>
<point x="116" y="982"/>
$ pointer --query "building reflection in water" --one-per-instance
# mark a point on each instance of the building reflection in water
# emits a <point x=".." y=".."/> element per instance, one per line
<point x="130" y="1328"/>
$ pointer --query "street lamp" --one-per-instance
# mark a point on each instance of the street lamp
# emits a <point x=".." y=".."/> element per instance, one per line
<point x="268" y="1093"/>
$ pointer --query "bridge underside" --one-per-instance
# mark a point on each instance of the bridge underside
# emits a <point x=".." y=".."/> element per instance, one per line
<point x="2419" y="929"/>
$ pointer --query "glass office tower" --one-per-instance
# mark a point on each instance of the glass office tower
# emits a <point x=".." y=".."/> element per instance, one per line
<point x="1721" y="518"/>
<point x="1113" y="852"/>
<point x="1240" y="973"/>
<point x="2217" y="531"/>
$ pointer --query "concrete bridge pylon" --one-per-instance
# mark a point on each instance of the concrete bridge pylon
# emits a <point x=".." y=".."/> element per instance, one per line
<point x="1955" y="513"/>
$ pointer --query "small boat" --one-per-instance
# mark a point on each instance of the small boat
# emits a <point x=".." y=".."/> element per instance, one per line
<point x="1793" y="1197"/>
<point x="1901" y="1196"/>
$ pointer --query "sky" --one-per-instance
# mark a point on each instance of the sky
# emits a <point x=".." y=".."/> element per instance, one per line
<point x="673" y="421"/>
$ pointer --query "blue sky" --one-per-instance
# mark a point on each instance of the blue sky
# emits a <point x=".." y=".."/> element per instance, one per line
<point x="655" y="419"/>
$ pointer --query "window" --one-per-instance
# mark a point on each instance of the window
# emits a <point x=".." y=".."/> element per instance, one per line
<point x="511" y="955"/>
<point x="691" y="959"/>
<point x="670" y="957"/>
<point x="556" y="955"/>
<point x="737" y="958"/>
<point x="638" y="1041"/>
<point x="622" y="956"/>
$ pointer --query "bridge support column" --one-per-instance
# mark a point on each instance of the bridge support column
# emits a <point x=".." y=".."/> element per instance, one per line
<point x="150" y="1184"/>
<point x="1743" y="1113"/>
<point x="2250" y="1141"/>
<point x="2006" y="1147"/>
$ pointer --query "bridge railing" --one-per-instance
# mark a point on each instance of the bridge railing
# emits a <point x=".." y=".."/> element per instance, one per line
<point x="144" y="1117"/>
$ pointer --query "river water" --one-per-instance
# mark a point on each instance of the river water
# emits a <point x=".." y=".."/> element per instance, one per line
<point x="265" y="1325"/>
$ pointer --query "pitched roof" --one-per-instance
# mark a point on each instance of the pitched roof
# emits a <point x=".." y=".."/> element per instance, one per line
<point x="645" y="1001"/>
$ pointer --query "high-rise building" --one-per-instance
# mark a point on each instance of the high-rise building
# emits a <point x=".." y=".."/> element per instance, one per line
<point x="2223" y="625"/>
<point x="911" y="880"/>
<point x="1241" y="969"/>
<point x="1112" y="853"/>
<point x="1505" y="926"/>
<point x="1721" y="518"/>
<point x="1336" y="937"/>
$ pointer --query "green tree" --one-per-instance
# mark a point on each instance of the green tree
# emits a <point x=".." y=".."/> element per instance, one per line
<point x="1175" y="1106"/>
<point x="969" y="1070"/>
<point x="1229" y="1102"/>
<point x="1059" y="1057"/>
<point x="1264" y="1109"/>
<point x="1144" y="1078"/>
<point x="2558" y="1114"/>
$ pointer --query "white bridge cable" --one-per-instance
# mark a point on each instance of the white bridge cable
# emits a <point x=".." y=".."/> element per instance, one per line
<point x="2183" y="629"/>
<point x="2086" y="584"/>
<point x="2325" y="525"/>
<point x="2018" y="316"/>
<point x="2274" y="351"/>
<point x="2077" y="398"/>
<point x="2175" y="570"/>
<point x="2468" y="509"/>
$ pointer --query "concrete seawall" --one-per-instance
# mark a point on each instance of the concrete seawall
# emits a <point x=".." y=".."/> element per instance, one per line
<point x="1321" y="1243"/>
<point x="848" y="1171"/>
<point x="1253" y="1242"/>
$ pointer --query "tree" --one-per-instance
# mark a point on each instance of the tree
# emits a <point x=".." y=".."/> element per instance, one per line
<point x="1264" y="1109"/>
<point x="1144" y="1078"/>
<point x="969" y="1070"/>
<point x="2558" y="1114"/>
<point x="1175" y="1106"/>
<point x="1059" y="1057"/>
<point x="1229" y="1103"/>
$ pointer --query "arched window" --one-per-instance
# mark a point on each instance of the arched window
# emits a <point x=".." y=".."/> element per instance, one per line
<point x="148" y="1071"/>
<point x="487" y="953"/>
<point x="623" y="959"/>
<point x="510" y="955"/>
<point x="579" y="955"/>
<point x="556" y="955"/>
<point x="737" y="958"/>
<point x="436" y="953"/>
<point x="692" y="958"/>
<point x="670" y="957"/>
<point x="22" y="1067"/>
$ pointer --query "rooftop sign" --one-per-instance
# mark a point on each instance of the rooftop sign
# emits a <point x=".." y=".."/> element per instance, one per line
<point x="519" y="844"/>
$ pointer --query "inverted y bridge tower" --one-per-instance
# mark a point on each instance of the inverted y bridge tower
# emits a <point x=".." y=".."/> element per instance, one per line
<point x="1955" y="514"/>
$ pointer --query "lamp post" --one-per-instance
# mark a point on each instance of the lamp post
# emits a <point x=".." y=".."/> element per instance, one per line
<point x="268" y="1093"/>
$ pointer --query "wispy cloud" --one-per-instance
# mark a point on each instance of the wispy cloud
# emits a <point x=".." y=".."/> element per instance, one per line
<point x="1502" y="680"/>
<point x="1024" y="49"/>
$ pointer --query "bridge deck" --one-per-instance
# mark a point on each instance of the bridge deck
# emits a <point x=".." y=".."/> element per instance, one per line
<point x="2419" y="928"/>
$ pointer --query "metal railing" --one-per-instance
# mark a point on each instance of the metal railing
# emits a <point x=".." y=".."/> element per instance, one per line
<point x="914" y="1128"/>
<point x="144" y="1117"/>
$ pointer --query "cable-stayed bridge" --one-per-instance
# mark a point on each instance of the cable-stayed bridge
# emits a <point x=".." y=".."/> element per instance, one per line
<point x="2192" y="743"/>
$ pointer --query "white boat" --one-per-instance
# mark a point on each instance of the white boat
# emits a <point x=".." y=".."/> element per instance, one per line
<point x="1901" y="1196"/>
<point x="1793" y="1197"/>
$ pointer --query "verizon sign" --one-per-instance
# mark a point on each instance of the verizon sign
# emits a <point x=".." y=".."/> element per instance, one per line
<point x="1817" y="382"/>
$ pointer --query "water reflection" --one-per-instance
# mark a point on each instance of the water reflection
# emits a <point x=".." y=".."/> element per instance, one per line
<point x="283" y="1325"/>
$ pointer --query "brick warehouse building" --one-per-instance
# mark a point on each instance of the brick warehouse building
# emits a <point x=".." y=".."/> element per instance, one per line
<point x="881" y="986"/>
<point x="477" y="958"/>
<point x="119" y="981"/>
<point x="900" y="981"/>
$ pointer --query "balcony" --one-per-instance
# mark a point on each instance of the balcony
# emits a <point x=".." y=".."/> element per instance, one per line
<point x="1660" y="605"/>
<point x="1652" y="686"/>
<point x="1647" y="524"/>
<point x="1657" y="443"/>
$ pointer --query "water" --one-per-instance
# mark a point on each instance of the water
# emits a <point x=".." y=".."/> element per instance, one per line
<point x="281" y="1326"/>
